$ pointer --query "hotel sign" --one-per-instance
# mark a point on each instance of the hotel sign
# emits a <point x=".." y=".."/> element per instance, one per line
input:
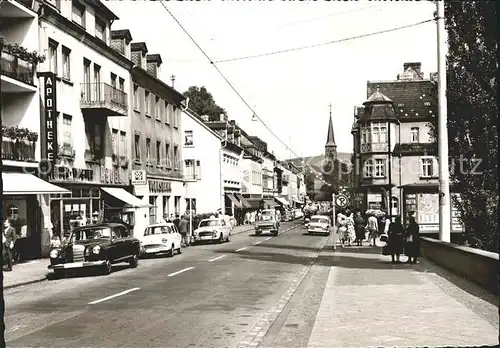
<point x="50" y="148"/>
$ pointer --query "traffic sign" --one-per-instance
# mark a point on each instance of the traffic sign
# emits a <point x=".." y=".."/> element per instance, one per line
<point x="341" y="200"/>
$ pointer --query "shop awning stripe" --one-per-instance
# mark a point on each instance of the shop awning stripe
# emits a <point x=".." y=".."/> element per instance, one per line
<point x="125" y="197"/>
<point x="28" y="184"/>
<point x="234" y="200"/>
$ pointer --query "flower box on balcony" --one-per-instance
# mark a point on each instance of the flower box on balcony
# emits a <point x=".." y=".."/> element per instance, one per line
<point x="124" y="161"/>
<point x="115" y="159"/>
<point x="18" y="144"/>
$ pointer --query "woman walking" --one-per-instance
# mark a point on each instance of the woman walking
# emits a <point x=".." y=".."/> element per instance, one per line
<point x="359" y="227"/>
<point x="412" y="248"/>
<point x="395" y="242"/>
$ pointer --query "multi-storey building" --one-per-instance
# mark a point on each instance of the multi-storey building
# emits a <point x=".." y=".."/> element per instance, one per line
<point x="202" y="154"/>
<point x="251" y="169"/>
<point x="283" y="180"/>
<point x="86" y="127"/>
<point x="156" y="147"/>
<point x="22" y="191"/>
<point x="268" y="176"/>
<point x="395" y="156"/>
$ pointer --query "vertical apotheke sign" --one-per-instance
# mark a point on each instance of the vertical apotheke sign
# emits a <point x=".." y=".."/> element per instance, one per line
<point x="50" y="120"/>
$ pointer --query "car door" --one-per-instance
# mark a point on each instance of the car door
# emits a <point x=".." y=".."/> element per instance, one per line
<point x="177" y="236"/>
<point x="166" y="236"/>
<point x="116" y="247"/>
<point x="224" y="229"/>
<point x="128" y="243"/>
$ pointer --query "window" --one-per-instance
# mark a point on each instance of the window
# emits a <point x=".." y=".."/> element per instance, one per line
<point x="368" y="169"/>
<point x="198" y="169"/>
<point x="123" y="143"/>
<point x="148" y="102"/>
<point x="136" y="97"/>
<point x="13" y="212"/>
<point x="158" y="108"/>
<point x="158" y="153"/>
<point x="427" y="103"/>
<point x="137" y="146"/>
<point x="176" y="158"/>
<point x="67" y="143"/>
<point x="53" y="56"/>
<point x="152" y="210"/>
<point x="414" y="134"/>
<point x="94" y="136"/>
<point x="426" y="168"/>
<point x="190" y="171"/>
<point x="78" y="13"/>
<point x="114" y="141"/>
<point x="113" y="80"/>
<point x="100" y="29"/>
<point x="66" y="56"/>
<point x="148" y="150"/>
<point x="379" y="132"/>
<point x="174" y="117"/>
<point x="167" y="113"/>
<point x="383" y="134"/>
<point x="379" y="168"/>
<point x="188" y="138"/>
<point x="167" y="156"/>
<point x="121" y="84"/>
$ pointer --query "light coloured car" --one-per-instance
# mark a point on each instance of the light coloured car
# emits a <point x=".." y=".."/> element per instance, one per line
<point x="162" y="238"/>
<point x="272" y="212"/>
<point x="267" y="223"/>
<point x="319" y="224"/>
<point x="213" y="229"/>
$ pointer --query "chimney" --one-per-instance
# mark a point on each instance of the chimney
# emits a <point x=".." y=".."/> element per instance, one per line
<point x="223" y="117"/>
<point x="120" y="41"/>
<point x="153" y="64"/>
<point x="138" y="54"/>
<point x="433" y="76"/>
<point x="205" y="118"/>
<point x="416" y="66"/>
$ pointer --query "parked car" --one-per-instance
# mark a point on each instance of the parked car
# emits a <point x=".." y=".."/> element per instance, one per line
<point x="272" y="212"/>
<point x="162" y="238"/>
<point x="288" y="216"/>
<point x="267" y="224"/>
<point x="213" y="229"/>
<point x="319" y="224"/>
<point x="98" y="246"/>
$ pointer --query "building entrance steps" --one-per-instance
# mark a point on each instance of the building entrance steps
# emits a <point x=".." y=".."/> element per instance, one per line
<point x="368" y="301"/>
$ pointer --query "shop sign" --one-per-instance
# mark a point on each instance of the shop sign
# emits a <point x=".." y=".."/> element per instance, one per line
<point x="72" y="174"/>
<point x="138" y="177"/>
<point x="110" y="176"/>
<point x="50" y="149"/>
<point x="159" y="186"/>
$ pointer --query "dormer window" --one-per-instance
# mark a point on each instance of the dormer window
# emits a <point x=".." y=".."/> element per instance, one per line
<point x="78" y="13"/>
<point x="100" y="29"/>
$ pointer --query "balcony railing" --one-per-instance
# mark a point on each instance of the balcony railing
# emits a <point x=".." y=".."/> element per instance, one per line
<point x="17" y="68"/>
<point x="104" y="97"/>
<point x="18" y="150"/>
<point x="191" y="176"/>
<point x="374" y="147"/>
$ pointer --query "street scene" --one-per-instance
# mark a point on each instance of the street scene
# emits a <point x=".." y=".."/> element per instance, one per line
<point x="231" y="174"/>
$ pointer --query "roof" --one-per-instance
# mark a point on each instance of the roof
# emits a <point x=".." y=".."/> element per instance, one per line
<point x="102" y="9"/>
<point x="104" y="224"/>
<point x="160" y="224"/>
<point x="330" y="138"/>
<point x="121" y="34"/>
<point x="413" y="100"/>
<point x="378" y="98"/>
<point x="155" y="58"/>
<point x="139" y="46"/>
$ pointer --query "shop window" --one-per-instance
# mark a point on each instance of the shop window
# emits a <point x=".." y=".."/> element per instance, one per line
<point x="177" y="205"/>
<point x="152" y="210"/>
<point x="12" y="212"/>
<point x="166" y="201"/>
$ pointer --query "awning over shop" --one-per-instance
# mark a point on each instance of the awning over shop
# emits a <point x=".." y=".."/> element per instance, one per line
<point x="243" y="201"/>
<point x="235" y="201"/>
<point x="282" y="201"/>
<point x="127" y="198"/>
<point x="269" y="202"/>
<point x="28" y="184"/>
<point x="252" y="203"/>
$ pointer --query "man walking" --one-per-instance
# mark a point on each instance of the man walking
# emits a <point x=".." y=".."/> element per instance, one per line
<point x="183" y="229"/>
<point x="9" y="239"/>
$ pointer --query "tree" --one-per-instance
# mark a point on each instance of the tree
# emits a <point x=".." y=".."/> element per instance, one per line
<point x="472" y="116"/>
<point x="202" y="102"/>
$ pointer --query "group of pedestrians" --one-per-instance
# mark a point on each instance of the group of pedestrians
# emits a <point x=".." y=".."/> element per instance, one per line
<point x="356" y="228"/>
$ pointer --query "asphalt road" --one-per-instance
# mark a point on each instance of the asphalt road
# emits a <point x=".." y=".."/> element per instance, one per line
<point x="228" y="295"/>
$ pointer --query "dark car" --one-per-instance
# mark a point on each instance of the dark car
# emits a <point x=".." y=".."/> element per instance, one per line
<point x="266" y="224"/>
<point x="98" y="246"/>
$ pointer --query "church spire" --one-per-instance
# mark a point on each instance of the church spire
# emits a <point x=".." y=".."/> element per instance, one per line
<point x="330" y="146"/>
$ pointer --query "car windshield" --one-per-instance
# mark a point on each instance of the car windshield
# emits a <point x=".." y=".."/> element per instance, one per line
<point x="209" y="223"/>
<point x="319" y="220"/>
<point x="265" y="218"/>
<point x="90" y="233"/>
<point x="156" y="230"/>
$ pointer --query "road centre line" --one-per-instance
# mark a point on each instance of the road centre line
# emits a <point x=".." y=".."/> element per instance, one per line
<point x="179" y="272"/>
<point x="240" y="249"/>
<point x="217" y="258"/>
<point x="262" y="241"/>
<point x="113" y="296"/>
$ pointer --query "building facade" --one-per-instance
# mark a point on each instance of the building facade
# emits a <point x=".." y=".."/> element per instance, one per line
<point x="268" y="176"/>
<point x="202" y="154"/>
<point x="396" y="166"/>
<point x="156" y="146"/>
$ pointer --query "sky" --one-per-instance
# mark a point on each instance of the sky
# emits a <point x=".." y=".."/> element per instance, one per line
<point x="291" y="92"/>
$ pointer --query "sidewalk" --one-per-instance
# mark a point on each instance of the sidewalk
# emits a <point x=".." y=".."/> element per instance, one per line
<point x="370" y="302"/>
<point x="26" y="273"/>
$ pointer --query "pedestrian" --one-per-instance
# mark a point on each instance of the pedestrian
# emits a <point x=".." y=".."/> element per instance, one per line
<point x="395" y="243"/>
<point x="9" y="240"/>
<point x="412" y="247"/>
<point x="165" y="219"/>
<point x="372" y="227"/>
<point x="359" y="227"/>
<point x="350" y="226"/>
<point x="183" y="229"/>
<point x="176" y="221"/>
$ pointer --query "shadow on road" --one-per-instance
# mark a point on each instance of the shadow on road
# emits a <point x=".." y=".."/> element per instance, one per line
<point x="83" y="273"/>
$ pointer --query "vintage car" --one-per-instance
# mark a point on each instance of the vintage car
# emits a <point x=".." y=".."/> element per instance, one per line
<point x="266" y="224"/>
<point x="319" y="224"/>
<point x="212" y="229"/>
<point x="99" y="246"/>
<point x="288" y="216"/>
<point x="274" y="212"/>
<point x="162" y="238"/>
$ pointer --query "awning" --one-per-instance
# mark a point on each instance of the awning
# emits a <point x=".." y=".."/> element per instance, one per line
<point x="28" y="184"/>
<point x="252" y="203"/>
<point x="243" y="201"/>
<point x="125" y="197"/>
<point x="269" y="202"/>
<point x="282" y="201"/>
<point x="235" y="201"/>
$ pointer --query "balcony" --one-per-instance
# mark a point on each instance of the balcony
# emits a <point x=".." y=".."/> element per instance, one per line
<point x="18" y="150"/>
<point x="190" y="176"/>
<point x="17" y="9"/>
<point x="17" y="74"/>
<point x="374" y="147"/>
<point x="103" y="99"/>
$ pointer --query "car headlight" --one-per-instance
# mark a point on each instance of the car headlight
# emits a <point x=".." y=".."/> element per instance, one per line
<point x="96" y="249"/>
<point x="54" y="253"/>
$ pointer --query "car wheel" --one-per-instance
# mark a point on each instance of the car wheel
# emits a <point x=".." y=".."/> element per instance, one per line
<point x="171" y="253"/>
<point x="221" y="238"/>
<point x="108" y="267"/>
<point x="134" y="261"/>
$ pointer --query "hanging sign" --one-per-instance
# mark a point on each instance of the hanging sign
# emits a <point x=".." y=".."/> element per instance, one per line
<point x="50" y="148"/>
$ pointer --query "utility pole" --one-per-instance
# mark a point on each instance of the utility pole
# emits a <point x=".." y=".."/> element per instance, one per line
<point x="172" y="79"/>
<point x="2" y="300"/>
<point x="334" y="225"/>
<point x="444" y="175"/>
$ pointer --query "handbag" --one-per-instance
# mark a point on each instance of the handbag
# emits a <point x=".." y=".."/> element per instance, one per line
<point x="385" y="250"/>
<point x="384" y="237"/>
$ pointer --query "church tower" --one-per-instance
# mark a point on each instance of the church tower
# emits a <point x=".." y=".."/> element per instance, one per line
<point x="330" y="147"/>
